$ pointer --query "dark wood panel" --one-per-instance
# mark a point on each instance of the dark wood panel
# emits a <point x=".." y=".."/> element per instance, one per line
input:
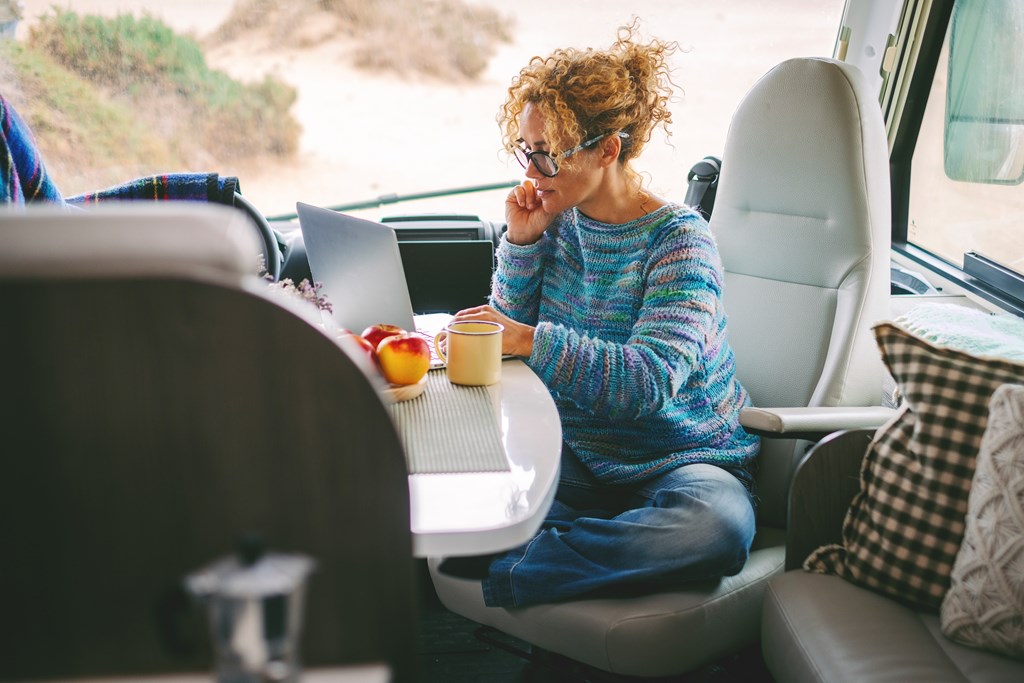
<point x="825" y="482"/>
<point x="145" y="426"/>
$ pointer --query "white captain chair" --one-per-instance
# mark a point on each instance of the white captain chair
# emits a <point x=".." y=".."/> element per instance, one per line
<point x="802" y="221"/>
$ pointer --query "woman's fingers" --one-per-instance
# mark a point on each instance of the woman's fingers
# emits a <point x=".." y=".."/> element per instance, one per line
<point x="529" y="192"/>
<point x="484" y="313"/>
<point x="524" y="196"/>
<point x="476" y="312"/>
<point x="525" y="215"/>
<point x="517" y="340"/>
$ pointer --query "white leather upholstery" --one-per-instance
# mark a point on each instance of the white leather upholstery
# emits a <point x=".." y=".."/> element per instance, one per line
<point x="140" y="239"/>
<point x="815" y="420"/>
<point x="802" y="221"/>
<point x="657" y="634"/>
<point x="824" y="629"/>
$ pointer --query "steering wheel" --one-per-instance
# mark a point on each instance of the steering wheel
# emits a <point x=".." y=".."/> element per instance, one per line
<point x="271" y="248"/>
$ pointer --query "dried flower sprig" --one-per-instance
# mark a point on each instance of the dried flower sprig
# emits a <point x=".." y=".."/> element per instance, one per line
<point x="307" y="291"/>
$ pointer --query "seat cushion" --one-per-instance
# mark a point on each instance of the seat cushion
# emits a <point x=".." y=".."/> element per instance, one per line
<point x="655" y="634"/>
<point x="819" y="628"/>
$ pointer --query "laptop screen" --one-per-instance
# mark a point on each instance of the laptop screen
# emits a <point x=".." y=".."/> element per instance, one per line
<point x="447" y="276"/>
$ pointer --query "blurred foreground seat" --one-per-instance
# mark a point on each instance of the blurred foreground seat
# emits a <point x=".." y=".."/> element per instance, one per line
<point x="159" y="403"/>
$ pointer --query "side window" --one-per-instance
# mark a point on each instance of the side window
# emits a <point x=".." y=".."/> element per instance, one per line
<point x="966" y="199"/>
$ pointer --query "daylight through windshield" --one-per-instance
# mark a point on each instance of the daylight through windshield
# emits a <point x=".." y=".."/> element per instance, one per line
<point x="339" y="101"/>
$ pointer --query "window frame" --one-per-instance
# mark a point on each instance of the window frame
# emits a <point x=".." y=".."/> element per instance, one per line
<point x="980" y="282"/>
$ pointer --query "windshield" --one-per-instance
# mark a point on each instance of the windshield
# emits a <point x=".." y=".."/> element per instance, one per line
<point x="333" y="102"/>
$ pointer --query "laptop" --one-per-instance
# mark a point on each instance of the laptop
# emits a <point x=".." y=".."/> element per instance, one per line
<point x="360" y="266"/>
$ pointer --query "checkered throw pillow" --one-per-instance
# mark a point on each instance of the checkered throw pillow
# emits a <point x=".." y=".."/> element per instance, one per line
<point x="903" y="529"/>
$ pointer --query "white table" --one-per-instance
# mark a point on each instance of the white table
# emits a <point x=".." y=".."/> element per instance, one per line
<point x="477" y="513"/>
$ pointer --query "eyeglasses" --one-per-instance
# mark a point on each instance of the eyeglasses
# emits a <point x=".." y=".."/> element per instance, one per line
<point x="546" y="164"/>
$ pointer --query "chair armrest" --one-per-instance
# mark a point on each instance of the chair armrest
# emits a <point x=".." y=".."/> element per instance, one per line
<point x="826" y="480"/>
<point x="812" y="424"/>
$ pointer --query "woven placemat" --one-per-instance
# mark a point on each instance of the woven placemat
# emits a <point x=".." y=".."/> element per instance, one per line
<point x="450" y="429"/>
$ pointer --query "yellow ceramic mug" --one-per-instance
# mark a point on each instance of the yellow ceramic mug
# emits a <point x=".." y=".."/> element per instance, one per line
<point x="473" y="352"/>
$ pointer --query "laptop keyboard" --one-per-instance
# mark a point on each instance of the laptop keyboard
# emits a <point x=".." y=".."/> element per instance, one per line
<point x="427" y="326"/>
<point x="435" y="360"/>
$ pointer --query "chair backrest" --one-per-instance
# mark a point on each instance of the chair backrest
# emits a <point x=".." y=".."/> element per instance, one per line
<point x="802" y="220"/>
<point x="159" y="403"/>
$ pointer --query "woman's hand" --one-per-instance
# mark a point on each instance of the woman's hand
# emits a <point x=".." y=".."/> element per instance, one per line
<point x="527" y="220"/>
<point x="517" y="338"/>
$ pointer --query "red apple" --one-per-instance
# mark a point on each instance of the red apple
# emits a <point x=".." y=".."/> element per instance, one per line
<point x="404" y="358"/>
<point x="375" y="333"/>
<point x="363" y="345"/>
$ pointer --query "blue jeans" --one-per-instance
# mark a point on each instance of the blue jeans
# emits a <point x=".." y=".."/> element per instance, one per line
<point x="695" y="522"/>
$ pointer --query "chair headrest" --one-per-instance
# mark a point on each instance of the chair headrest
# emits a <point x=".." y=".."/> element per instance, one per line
<point x="148" y="240"/>
<point x="806" y="172"/>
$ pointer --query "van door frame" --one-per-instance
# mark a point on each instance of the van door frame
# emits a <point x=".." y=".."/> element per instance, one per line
<point x="901" y="156"/>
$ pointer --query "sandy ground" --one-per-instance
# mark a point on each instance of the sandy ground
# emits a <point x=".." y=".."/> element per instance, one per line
<point x="368" y="134"/>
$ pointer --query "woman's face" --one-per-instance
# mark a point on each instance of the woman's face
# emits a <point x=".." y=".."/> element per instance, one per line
<point x="574" y="183"/>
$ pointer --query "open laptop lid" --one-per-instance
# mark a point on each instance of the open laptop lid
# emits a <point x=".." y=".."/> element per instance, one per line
<point x="447" y="276"/>
<point x="358" y="263"/>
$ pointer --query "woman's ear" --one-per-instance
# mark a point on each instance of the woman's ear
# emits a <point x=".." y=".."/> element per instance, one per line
<point x="610" y="148"/>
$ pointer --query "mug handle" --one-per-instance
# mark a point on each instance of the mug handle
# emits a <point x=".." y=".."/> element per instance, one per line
<point x="437" y="346"/>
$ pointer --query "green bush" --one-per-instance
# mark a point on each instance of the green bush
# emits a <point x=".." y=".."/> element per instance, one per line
<point x="87" y="140"/>
<point x="164" y="77"/>
<point x="444" y="38"/>
<point x="123" y="53"/>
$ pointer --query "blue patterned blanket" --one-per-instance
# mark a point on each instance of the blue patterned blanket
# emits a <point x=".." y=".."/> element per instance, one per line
<point x="205" y="187"/>
<point x="23" y="176"/>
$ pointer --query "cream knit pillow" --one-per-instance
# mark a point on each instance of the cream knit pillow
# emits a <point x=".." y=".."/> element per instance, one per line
<point x="984" y="606"/>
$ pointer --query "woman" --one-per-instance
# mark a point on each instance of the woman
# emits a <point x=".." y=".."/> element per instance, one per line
<point x="613" y="297"/>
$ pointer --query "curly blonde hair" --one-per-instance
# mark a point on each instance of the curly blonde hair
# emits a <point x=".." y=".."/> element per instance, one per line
<point x="586" y="93"/>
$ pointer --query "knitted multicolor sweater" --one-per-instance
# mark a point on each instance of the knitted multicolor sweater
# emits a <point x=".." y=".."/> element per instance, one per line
<point x="631" y="341"/>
